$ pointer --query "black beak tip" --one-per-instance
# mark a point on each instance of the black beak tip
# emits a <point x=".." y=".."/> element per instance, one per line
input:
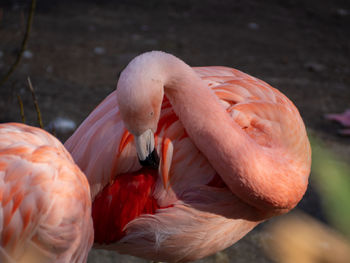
<point x="152" y="160"/>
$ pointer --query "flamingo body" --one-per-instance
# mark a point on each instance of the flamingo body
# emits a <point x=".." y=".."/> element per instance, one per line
<point x="44" y="199"/>
<point x="211" y="187"/>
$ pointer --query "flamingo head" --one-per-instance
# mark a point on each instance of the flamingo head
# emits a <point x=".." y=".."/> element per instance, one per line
<point x="139" y="96"/>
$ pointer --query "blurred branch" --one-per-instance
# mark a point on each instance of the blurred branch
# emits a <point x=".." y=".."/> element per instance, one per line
<point x="20" y="103"/>
<point x="36" y="105"/>
<point x="23" y="46"/>
<point x="297" y="237"/>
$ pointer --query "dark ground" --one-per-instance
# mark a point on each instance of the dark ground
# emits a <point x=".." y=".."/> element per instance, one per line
<point x="299" y="47"/>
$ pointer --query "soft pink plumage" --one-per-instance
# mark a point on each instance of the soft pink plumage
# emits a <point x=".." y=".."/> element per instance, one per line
<point x="45" y="201"/>
<point x="234" y="152"/>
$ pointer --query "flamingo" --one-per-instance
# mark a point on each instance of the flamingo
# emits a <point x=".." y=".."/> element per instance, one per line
<point x="183" y="162"/>
<point x="343" y="119"/>
<point x="45" y="205"/>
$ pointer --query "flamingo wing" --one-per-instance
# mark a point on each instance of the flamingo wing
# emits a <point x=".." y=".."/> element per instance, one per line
<point x="45" y="202"/>
<point x="263" y="112"/>
<point x="101" y="146"/>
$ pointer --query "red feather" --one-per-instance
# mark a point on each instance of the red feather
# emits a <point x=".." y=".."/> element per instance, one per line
<point x="128" y="197"/>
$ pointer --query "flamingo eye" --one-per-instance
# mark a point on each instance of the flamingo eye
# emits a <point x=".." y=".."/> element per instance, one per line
<point x="152" y="113"/>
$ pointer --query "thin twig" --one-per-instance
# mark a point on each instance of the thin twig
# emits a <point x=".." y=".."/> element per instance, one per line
<point x="20" y="103"/>
<point x="36" y="105"/>
<point x="23" y="46"/>
<point x="1" y="15"/>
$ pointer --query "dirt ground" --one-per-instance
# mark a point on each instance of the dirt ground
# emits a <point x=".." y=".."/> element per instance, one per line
<point x="76" y="51"/>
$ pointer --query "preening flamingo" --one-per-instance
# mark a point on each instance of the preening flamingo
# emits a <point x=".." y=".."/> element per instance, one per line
<point x="231" y="151"/>
<point x="45" y="205"/>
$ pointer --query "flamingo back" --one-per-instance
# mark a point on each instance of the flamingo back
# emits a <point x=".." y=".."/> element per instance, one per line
<point x="45" y="202"/>
<point x="266" y="114"/>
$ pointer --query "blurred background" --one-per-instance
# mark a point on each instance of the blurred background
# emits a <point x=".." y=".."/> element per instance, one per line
<point x="75" y="51"/>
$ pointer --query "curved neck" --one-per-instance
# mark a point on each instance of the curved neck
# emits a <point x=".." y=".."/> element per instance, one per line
<point x="252" y="172"/>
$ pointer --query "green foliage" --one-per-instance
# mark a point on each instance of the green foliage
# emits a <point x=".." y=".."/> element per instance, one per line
<point x="332" y="178"/>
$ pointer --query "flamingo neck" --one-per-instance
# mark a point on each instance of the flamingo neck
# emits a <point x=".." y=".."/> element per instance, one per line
<point x="256" y="174"/>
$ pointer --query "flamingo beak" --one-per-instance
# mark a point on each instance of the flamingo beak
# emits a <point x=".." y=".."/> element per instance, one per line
<point x="146" y="152"/>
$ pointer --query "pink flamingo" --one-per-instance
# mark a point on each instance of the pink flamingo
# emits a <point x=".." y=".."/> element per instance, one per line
<point x="343" y="119"/>
<point x="233" y="151"/>
<point x="45" y="205"/>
